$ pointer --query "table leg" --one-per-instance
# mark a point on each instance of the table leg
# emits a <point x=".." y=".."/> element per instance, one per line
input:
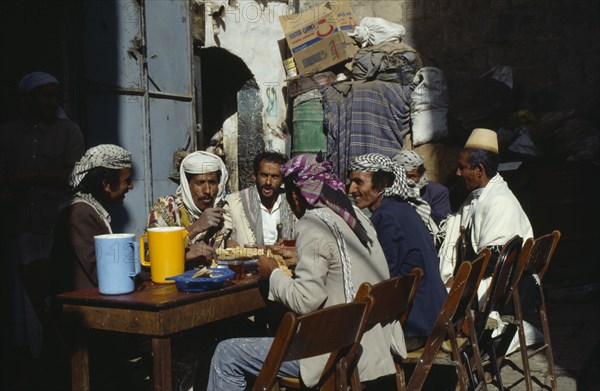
<point x="161" y="373"/>
<point x="80" y="365"/>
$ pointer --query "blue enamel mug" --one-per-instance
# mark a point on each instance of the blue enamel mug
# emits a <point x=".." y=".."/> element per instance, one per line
<point x="117" y="263"/>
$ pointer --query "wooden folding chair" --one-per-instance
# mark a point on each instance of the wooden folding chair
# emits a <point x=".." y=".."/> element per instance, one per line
<point x="336" y="330"/>
<point x="392" y="301"/>
<point x="537" y="264"/>
<point x="507" y="273"/>
<point x="465" y="312"/>
<point x="445" y="328"/>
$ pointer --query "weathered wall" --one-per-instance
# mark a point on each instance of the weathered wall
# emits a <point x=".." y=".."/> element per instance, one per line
<point x="251" y="31"/>
<point x="551" y="45"/>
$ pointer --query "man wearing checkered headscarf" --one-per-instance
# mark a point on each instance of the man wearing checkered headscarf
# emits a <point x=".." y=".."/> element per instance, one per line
<point x="377" y="183"/>
<point x="400" y="187"/>
<point x="404" y="237"/>
<point x="101" y="178"/>
<point x="104" y="155"/>
<point x="435" y="194"/>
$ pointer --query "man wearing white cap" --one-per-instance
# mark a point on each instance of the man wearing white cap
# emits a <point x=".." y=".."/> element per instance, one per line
<point x="203" y="178"/>
<point x="37" y="152"/>
<point x="491" y="214"/>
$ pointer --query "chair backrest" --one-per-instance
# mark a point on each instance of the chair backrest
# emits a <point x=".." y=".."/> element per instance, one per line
<point x="541" y="253"/>
<point x="440" y="328"/>
<point x="503" y="272"/>
<point x="336" y="330"/>
<point x="478" y="266"/>
<point x="392" y="297"/>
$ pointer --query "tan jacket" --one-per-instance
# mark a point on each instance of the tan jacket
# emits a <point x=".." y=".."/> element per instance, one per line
<point x="319" y="283"/>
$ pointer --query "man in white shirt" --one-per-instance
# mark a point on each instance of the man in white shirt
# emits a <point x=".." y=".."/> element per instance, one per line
<point x="253" y="214"/>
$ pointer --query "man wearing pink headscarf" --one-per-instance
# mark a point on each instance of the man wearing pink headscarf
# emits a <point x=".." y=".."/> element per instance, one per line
<point x="337" y="250"/>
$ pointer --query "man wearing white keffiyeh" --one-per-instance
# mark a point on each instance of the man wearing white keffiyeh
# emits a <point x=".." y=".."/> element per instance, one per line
<point x="337" y="251"/>
<point x="435" y="194"/>
<point x="203" y="178"/>
<point x="99" y="179"/>
<point x="380" y="185"/>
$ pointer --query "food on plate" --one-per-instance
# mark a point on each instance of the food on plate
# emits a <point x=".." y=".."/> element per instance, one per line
<point x="232" y="253"/>
<point x="282" y="266"/>
<point x="202" y="272"/>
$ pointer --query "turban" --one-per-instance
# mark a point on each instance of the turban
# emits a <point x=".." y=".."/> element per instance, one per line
<point x="372" y="162"/>
<point x="320" y="187"/>
<point x="200" y="162"/>
<point x="401" y="188"/>
<point x="411" y="160"/>
<point x="33" y="80"/>
<point x="104" y="155"/>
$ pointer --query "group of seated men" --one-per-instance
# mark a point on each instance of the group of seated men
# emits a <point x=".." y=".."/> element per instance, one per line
<point x="337" y="246"/>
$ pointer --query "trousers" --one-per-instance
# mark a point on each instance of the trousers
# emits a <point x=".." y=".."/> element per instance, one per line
<point x="237" y="359"/>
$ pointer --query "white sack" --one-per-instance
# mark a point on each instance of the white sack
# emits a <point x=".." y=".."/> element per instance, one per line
<point x="373" y="31"/>
<point x="429" y="107"/>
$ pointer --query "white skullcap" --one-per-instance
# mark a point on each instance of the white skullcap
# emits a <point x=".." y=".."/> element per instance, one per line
<point x="35" y="79"/>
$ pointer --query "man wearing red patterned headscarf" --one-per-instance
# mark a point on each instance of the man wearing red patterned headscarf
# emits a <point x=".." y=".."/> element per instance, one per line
<point x="337" y="250"/>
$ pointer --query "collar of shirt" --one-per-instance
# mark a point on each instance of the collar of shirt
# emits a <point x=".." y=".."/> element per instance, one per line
<point x="270" y="221"/>
<point x="275" y="206"/>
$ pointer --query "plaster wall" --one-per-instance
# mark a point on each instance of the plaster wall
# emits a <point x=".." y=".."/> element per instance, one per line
<point x="251" y="30"/>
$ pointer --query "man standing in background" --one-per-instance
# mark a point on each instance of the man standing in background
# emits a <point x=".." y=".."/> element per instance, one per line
<point x="37" y="153"/>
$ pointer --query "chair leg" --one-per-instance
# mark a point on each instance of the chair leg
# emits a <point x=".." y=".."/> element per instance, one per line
<point x="495" y="368"/>
<point x="476" y="355"/>
<point x="400" y="379"/>
<point x="522" y="340"/>
<point x="467" y="363"/>
<point x="548" y="343"/>
<point x="461" y="372"/>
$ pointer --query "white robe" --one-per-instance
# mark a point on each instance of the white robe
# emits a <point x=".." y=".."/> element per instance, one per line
<point x="494" y="217"/>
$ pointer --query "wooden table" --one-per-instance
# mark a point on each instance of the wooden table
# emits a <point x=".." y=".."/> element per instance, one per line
<point x="158" y="311"/>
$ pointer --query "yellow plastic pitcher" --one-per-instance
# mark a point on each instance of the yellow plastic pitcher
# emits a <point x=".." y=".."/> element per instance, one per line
<point x="166" y="249"/>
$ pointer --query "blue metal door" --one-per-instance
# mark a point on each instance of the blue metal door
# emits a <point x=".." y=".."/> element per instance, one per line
<point x="138" y="70"/>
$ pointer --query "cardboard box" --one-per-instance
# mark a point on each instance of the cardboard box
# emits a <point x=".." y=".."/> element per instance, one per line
<point x="347" y="24"/>
<point x="344" y="15"/>
<point x="315" y="36"/>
